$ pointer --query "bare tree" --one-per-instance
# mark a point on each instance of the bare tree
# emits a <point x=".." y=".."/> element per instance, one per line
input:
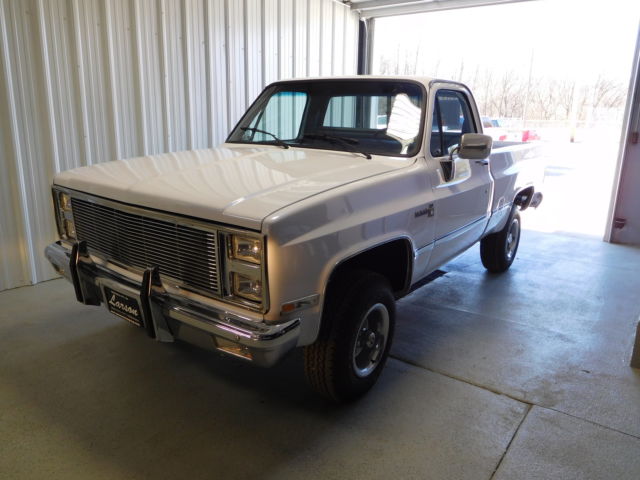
<point x="546" y="100"/>
<point x="507" y="95"/>
<point x="582" y="100"/>
<point x="566" y="97"/>
<point x="510" y="94"/>
<point x="607" y="93"/>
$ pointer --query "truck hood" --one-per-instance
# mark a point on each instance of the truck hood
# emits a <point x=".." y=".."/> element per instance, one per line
<point x="237" y="185"/>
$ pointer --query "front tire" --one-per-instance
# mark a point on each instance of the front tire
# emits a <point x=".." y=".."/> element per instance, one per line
<point x="498" y="250"/>
<point x="354" y="342"/>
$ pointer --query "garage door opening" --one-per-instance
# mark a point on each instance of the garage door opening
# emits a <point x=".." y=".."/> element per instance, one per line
<point x="556" y="73"/>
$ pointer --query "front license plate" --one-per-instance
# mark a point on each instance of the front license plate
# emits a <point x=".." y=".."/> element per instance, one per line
<point x="124" y="306"/>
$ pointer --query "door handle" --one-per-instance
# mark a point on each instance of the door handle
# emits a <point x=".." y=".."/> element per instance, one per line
<point x="482" y="162"/>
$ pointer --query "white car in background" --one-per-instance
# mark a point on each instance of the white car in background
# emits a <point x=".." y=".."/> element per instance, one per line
<point x="493" y="128"/>
<point x="499" y="131"/>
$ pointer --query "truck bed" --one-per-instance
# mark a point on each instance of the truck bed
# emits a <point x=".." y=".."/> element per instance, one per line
<point x="514" y="166"/>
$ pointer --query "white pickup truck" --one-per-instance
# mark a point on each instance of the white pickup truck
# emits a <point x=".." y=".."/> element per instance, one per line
<point x="330" y="199"/>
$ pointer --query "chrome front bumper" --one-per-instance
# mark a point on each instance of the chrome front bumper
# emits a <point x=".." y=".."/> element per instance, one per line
<point x="167" y="316"/>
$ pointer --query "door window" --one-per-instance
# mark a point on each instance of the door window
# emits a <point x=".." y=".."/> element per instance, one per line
<point x="451" y="119"/>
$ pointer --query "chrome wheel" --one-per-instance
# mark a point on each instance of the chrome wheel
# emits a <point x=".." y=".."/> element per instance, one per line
<point x="371" y="341"/>
<point x="513" y="236"/>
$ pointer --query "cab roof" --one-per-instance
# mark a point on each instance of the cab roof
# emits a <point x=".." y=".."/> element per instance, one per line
<point x="426" y="81"/>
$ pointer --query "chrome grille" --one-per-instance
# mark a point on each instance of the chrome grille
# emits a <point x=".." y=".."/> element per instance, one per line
<point x="183" y="253"/>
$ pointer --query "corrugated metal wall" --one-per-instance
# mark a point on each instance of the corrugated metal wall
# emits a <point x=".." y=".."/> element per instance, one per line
<point x="87" y="81"/>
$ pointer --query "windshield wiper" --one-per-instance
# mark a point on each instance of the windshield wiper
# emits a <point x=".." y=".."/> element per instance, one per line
<point x="346" y="142"/>
<point x="258" y="130"/>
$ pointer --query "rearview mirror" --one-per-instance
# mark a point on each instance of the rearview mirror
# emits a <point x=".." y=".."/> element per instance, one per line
<point x="475" y="146"/>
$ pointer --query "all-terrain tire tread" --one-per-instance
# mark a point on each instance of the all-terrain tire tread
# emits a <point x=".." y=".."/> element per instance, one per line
<point x="321" y="356"/>
<point x="492" y="248"/>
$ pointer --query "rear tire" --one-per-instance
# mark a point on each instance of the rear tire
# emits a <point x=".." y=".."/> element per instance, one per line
<point x="498" y="250"/>
<point x="357" y="329"/>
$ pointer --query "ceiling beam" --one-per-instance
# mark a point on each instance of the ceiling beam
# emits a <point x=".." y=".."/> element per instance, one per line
<point x="368" y="4"/>
<point x="387" y="8"/>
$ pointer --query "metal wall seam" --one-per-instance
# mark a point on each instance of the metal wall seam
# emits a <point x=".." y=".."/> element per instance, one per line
<point x="89" y="81"/>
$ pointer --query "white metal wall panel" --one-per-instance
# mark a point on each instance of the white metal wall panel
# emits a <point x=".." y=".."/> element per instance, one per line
<point x="253" y="48"/>
<point x="326" y="38"/>
<point x="235" y="59"/>
<point x="150" y="74"/>
<point x="285" y="30"/>
<point x="91" y="53"/>
<point x="350" y="38"/>
<point x="175" y="65"/>
<point x="196" y="79"/>
<point x="300" y="48"/>
<point x="14" y="261"/>
<point x="314" y="39"/>
<point x="216" y="49"/>
<point x="30" y="136"/>
<point x="61" y="79"/>
<point x="125" y="83"/>
<point x="88" y="81"/>
<point x="338" y="39"/>
<point x="270" y="41"/>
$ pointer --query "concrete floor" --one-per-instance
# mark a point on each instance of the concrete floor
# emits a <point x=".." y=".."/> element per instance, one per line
<point x="521" y="375"/>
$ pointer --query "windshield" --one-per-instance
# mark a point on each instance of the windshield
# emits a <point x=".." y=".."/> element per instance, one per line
<point x="381" y="117"/>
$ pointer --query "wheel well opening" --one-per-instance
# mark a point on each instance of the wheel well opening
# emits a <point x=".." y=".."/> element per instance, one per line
<point x="391" y="260"/>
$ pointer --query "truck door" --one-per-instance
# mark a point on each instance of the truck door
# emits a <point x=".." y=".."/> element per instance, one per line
<point x="462" y="188"/>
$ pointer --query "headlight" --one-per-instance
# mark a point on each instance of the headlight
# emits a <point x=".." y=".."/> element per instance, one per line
<point x="70" y="228"/>
<point x="247" y="287"/>
<point x="64" y="201"/>
<point x="245" y="281"/>
<point x="246" y="248"/>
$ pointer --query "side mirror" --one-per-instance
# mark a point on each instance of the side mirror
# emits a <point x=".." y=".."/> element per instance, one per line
<point x="475" y="146"/>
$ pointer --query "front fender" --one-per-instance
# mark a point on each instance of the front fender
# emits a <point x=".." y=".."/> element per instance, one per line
<point x="307" y="241"/>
